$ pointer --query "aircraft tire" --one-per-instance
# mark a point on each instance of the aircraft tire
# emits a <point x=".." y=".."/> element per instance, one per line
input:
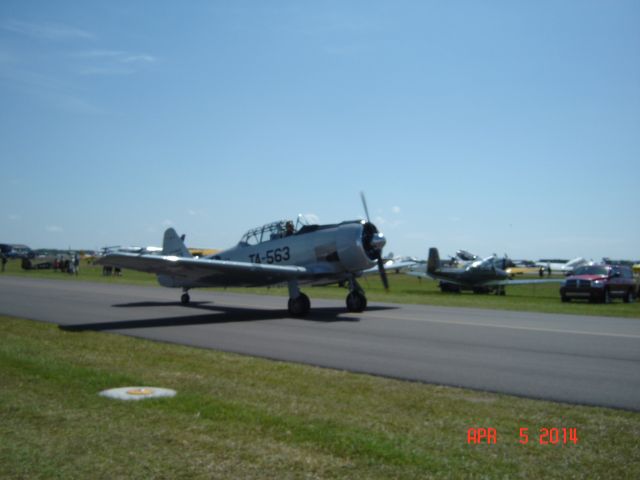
<point x="184" y="299"/>
<point x="299" y="306"/>
<point x="356" y="302"/>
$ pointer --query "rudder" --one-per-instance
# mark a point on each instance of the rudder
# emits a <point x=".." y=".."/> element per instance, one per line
<point x="433" y="263"/>
<point x="173" y="244"/>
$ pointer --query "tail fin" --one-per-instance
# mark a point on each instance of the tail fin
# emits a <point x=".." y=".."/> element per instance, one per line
<point x="433" y="263"/>
<point x="173" y="244"/>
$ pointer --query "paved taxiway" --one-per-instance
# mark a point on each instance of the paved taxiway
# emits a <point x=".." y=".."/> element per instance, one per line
<point x="577" y="359"/>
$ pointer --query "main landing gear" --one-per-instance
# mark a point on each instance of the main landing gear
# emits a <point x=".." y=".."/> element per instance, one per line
<point x="299" y="306"/>
<point x="184" y="299"/>
<point x="299" y="303"/>
<point x="356" y="301"/>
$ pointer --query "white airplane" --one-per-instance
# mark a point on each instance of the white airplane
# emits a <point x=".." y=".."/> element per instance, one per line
<point x="131" y="249"/>
<point x="276" y="253"/>
<point x="564" y="267"/>
<point x="392" y="263"/>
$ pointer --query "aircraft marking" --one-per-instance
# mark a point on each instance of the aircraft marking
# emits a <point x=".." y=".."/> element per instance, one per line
<point x="276" y="255"/>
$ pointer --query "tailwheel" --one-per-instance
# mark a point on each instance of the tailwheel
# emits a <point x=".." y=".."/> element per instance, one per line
<point x="356" y="302"/>
<point x="299" y="306"/>
<point x="184" y="299"/>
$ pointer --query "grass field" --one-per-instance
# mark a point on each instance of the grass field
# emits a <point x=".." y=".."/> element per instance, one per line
<point x="242" y="417"/>
<point x="404" y="289"/>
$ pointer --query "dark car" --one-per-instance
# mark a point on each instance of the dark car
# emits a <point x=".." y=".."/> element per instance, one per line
<point x="600" y="283"/>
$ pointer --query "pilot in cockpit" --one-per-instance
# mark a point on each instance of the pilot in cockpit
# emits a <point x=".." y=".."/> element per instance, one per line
<point x="288" y="228"/>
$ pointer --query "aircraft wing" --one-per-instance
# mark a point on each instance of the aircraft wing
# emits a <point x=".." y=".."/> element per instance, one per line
<point x="496" y="283"/>
<point x="452" y="280"/>
<point x="489" y="283"/>
<point x="202" y="270"/>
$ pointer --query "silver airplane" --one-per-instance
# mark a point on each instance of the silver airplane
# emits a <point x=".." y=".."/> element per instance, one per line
<point x="276" y="253"/>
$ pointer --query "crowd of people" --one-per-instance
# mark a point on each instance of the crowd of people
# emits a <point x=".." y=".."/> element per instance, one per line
<point x="67" y="265"/>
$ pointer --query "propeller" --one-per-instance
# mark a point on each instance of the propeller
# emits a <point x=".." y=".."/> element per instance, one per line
<point x="375" y="242"/>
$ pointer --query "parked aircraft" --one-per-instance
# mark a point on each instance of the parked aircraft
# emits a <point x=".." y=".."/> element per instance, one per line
<point x="392" y="263"/>
<point x="130" y="249"/>
<point x="466" y="256"/>
<point x="564" y="267"/>
<point x="463" y="258"/>
<point x="481" y="276"/>
<point x="14" y="250"/>
<point x="275" y="253"/>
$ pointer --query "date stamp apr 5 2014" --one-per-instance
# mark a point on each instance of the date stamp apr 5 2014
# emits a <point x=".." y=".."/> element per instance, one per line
<point x="543" y="436"/>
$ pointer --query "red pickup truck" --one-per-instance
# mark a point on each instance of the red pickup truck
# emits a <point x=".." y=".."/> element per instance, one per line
<point x="600" y="283"/>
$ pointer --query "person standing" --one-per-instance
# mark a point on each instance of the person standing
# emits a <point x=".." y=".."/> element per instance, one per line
<point x="4" y="261"/>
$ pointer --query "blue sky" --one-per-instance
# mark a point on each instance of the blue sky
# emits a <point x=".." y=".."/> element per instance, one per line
<point x="499" y="126"/>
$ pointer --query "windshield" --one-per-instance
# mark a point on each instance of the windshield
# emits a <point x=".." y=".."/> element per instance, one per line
<point x="591" y="270"/>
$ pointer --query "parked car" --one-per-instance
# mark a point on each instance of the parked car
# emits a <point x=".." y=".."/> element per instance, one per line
<point x="600" y="283"/>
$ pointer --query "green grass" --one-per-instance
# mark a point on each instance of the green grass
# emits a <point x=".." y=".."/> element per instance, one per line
<point x="543" y="298"/>
<point x="241" y="417"/>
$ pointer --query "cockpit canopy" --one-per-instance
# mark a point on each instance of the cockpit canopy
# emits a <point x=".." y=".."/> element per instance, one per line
<point x="270" y="231"/>
<point x="484" y="264"/>
<point x="277" y="229"/>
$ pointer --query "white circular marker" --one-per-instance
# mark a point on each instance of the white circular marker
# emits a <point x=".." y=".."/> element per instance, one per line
<point x="137" y="393"/>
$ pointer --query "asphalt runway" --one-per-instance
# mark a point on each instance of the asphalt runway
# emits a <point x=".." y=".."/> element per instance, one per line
<point x="568" y="358"/>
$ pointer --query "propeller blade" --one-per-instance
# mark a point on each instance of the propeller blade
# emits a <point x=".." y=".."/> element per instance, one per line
<point x="378" y="243"/>
<point x="364" y="204"/>
<point x="383" y="273"/>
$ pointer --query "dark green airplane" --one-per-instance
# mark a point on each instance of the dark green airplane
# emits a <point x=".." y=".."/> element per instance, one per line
<point x="480" y="276"/>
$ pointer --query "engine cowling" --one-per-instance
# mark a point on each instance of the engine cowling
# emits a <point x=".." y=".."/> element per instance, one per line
<point x="359" y="245"/>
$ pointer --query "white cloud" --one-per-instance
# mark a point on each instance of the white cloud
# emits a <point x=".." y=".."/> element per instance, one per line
<point x="139" y="58"/>
<point x="54" y="229"/>
<point x="113" y="62"/>
<point x="167" y="223"/>
<point x="117" y="56"/>
<point x="395" y="209"/>
<point x="46" y="31"/>
<point x="13" y="217"/>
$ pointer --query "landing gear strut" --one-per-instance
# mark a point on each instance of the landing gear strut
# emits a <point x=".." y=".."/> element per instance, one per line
<point x="356" y="301"/>
<point x="184" y="299"/>
<point x="299" y="303"/>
